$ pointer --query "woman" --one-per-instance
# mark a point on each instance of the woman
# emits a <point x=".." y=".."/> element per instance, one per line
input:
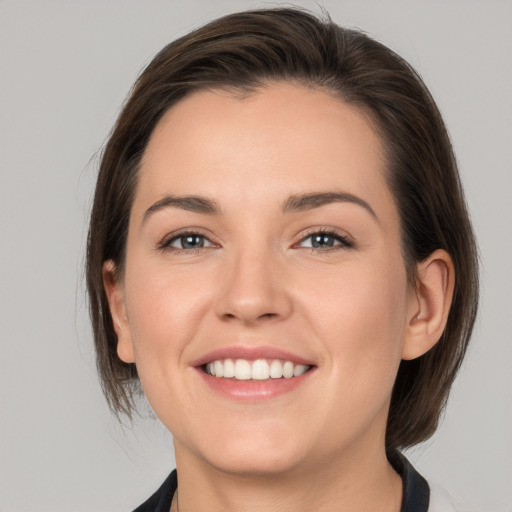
<point x="280" y="256"/>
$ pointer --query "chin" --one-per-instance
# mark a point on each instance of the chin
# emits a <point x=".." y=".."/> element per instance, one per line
<point x="257" y="451"/>
<point x="256" y="464"/>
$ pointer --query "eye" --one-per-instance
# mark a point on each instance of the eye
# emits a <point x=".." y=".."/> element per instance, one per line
<point x="325" y="240"/>
<point x="187" y="242"/>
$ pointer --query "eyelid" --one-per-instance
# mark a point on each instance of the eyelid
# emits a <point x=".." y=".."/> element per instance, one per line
<point x="345" y="240"/>
<point x="165" y="243"/>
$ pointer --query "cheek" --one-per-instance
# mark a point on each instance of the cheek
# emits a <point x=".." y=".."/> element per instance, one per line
<point x="164" y="311"/>
<point x="360" y="316"/>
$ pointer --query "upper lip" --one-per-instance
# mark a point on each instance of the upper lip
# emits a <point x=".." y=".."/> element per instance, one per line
<point x="250" y="353"/>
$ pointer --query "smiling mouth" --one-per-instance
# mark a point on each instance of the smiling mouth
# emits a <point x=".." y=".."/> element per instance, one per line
<point x="259" y="369"/>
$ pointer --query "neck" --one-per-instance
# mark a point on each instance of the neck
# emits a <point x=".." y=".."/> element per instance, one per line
<point x="357" y="482"/>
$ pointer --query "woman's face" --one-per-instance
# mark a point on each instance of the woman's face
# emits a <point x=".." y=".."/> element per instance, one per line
<point x="263" y="230"/>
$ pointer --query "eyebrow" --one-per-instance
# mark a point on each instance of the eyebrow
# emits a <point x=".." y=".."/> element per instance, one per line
<point x="295" y="203"/>
<point x="302" y="202"/>
<point x="190" y="203"/>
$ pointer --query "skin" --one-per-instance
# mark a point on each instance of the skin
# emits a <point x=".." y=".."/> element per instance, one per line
<point x="257" y="281"/>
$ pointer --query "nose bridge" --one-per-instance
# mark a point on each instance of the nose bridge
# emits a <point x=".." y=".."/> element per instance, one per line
<point x="254" y="289"/>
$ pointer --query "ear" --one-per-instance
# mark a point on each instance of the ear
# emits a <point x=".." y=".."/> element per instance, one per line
<point x="116" y="301"/>
<point x="429" y="308"/>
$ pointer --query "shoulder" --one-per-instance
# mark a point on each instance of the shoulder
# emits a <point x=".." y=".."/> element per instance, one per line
<point x="161" y="500"/>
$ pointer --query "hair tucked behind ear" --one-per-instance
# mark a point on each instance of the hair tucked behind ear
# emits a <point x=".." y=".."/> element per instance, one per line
<point x="241" y="52"/>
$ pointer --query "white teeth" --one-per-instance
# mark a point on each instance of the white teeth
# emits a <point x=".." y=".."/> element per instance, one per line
<point x="288" y="370"/>
<point x="260" y="369"/>
<point x="299" y="370"/>
<point x="242" y="369"/>
<point x="219" y="369"/>
<point x="276" y="369"/>
<point x="229" y="369"/>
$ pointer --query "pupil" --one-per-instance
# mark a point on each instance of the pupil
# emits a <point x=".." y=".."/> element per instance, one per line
<point x="192" y="242"/>
<point x="323" y="241"/>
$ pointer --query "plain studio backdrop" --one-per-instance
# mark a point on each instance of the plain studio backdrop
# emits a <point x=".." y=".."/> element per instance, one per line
<point x="66" y="67"/>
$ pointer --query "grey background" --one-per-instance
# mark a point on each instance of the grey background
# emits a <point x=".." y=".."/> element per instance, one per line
<point x="65" y="68"/>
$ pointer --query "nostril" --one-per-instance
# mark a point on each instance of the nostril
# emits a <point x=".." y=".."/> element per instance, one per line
<point x="249" y="304"/>
<point x="250" y="319"/>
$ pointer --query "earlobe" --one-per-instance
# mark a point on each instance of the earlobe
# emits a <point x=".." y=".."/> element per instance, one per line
<point x="116" y="301"/>
<point x="430" y="307"/>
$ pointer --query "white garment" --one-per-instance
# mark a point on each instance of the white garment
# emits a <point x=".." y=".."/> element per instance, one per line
<point x="439" y="500"/>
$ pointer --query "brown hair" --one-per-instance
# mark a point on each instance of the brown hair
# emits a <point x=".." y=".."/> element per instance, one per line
<point x="247" y="50"/>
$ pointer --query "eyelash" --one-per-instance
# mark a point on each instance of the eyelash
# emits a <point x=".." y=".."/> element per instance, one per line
<point x="165" y="245"/>
<point x="342" y="242"/>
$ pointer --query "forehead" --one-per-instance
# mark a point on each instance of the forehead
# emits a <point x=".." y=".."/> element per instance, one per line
<point x="277" y="141"/>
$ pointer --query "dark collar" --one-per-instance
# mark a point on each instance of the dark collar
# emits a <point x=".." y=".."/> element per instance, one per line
<point x="416" y="492"/>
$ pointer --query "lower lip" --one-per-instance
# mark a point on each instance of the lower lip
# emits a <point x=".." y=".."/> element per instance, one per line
<point x="253" y="390"/>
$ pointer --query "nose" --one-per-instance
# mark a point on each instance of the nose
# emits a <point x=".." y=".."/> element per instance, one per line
<point x="254" y="290"/>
